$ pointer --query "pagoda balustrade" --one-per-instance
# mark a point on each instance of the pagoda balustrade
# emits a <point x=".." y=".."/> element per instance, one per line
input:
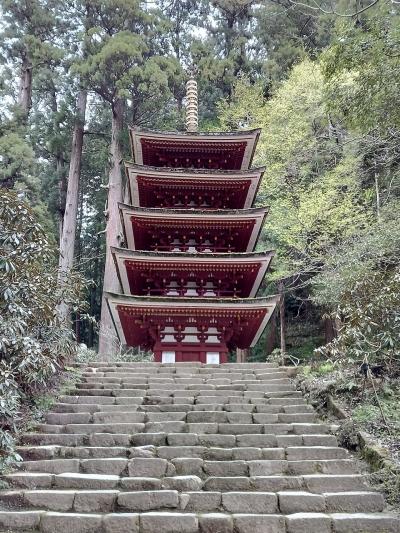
<point x="190" y="285"/>
<point x="191" y="155"/>
<point x="190" y="195"/>
<point x="212" y="240"/>
<point x="187" y="278"/>
<point x="194" y="289"/>
<point x="227" y="324"/>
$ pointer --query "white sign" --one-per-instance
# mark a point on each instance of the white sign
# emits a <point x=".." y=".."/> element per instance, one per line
<point x="213" y="358"/>
<point x="168" y="357"/>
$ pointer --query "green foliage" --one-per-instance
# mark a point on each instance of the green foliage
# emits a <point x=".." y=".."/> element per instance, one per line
<point x="318" y="370"/>
<point x="310" y="181"/>
<point x="387" y="480"/>
<point x="247" y="108"/>
<point x="17" y="159"/>
<point x="111" y="68"/>
<point x="368" y="413"/>
<point x="361" y="68"/>
<point x="288" y="36"/>
<point x="33" y="344"/>
<point x="123" y="55"/>
<point x="361" y="278"/>
<point x="29" y="28"/>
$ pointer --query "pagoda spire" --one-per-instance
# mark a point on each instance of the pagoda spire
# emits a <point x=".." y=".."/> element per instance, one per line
<point x="192" y="119"/>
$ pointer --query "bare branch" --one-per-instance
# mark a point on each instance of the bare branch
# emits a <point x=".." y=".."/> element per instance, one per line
<point x="318" y="7"/>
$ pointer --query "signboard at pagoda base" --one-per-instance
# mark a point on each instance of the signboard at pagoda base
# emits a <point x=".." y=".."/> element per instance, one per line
<point x="200" y="352"/>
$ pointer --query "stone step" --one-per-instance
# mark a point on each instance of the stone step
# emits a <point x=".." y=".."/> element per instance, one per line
<point x="178" y="368"/>
<point x="280" y="398"/>
<point x="192" y="461"/>
<point x="232" y="417"/>
<point x="150" y="446"/>
<point x="177" y="439"/>
<point x="297" y="428"/>
<point x="255" y="407"/>
<point x="181" y="384"/>
<point x="186" y="522"/>
<point x="184" y="493"/>
<point x="198" y="374"/>
<point x="174" y="388"/>
<point x="316" y="483"/>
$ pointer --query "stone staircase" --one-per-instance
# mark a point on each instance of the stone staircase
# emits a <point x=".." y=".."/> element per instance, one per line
<point x="187" y="448"/>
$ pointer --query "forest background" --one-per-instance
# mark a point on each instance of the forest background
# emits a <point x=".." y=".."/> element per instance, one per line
<point x="322" y="80"/>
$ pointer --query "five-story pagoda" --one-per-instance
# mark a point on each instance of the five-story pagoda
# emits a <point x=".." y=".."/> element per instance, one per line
<point x="189" y="274"/>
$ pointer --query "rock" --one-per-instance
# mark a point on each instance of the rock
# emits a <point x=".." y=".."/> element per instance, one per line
<point x="182" y="483"/>
<point x="250" y="502"/>
<point x="168" y="523"/>
<point x="262" y="523"/>
<point x="78" y="523"/>
<point x="308" y="523"/>
<point x="148" y="500"/>
<point x="95" y="501"/>
<point x="215" y="523"/>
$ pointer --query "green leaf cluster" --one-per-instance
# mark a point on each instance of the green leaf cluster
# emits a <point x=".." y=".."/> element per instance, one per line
<point x="33" y="344"/>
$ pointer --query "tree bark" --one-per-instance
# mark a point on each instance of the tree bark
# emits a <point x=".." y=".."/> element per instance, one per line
<point x="281" y="290"/>
<point x="25" y="88"/>
<point x="108" y="341"/>
<point x="62" y="192"/>
<point x="378" y="197"/>
<point x="67" y="242"/>
<point x="242" y="355"/>
<point x="59" y="155"/>
<point x="330" y="329"/>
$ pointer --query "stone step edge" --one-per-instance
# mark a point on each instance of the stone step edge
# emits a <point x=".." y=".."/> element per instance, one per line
<point x="313" y="483"/>
<point x="152" y="522"/>
<point x="259" y="502"/>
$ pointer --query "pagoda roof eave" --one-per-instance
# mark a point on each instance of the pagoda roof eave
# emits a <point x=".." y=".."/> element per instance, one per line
<point x="191" y="302"/>
<point x="148" y="169"/>
<point x="186" y="303"/>
<point x="251" y="137"/>
<point x="259" y="214"/>
<point x="137" y="175"/>
<point x="160" y="211"/>
<point x="184" y="134"/>
<point x="120" y="255"/>
<point x="194" y="255"/>
<point x="166" y="176"/>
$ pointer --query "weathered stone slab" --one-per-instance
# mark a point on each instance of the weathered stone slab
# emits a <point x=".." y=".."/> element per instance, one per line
<point x="168" y="523"/>
<point x="78" y="523"/>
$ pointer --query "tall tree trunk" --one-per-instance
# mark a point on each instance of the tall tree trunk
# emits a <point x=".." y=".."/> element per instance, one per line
<point x="378" y="197"/>
<point x="62" y="192"/>
<point x="281" y="290"/>
<point x="242" y="355"/>
<point x="330" y="329"/>
<point x="67" y="242"/>
<point x="60" y="162"/>
<point x="25" y="88"/>
<point x="93" y="293"/>
<point x="108" y="342"/>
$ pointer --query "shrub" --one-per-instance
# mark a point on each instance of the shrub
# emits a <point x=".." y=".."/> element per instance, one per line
<point x="34" y="343"/>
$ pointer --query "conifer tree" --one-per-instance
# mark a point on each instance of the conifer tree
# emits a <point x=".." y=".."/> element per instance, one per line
<point x="28" y="42"/>
<point x="122" y="52"/>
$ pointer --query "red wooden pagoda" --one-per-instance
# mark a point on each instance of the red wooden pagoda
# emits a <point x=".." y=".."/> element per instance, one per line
<point x="189" y="274"/>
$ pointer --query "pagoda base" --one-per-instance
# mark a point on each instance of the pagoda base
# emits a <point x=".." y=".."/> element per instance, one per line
<point x="182" y="353"/>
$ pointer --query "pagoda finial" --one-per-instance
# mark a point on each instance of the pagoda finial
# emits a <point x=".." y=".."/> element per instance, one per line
<point x="192" y="118"/>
